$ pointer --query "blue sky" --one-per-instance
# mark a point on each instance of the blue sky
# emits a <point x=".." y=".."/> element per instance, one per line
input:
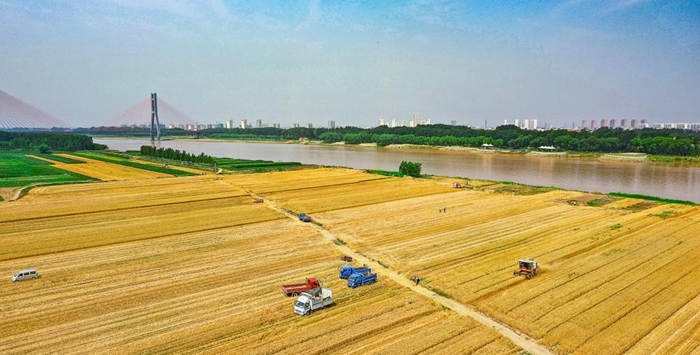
<point x="356" y="61"/>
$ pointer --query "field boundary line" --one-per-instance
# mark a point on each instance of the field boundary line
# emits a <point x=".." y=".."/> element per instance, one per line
<point x="115" y="209"/>
<point x="519" y="339"/>
<point x="140" y="239"/>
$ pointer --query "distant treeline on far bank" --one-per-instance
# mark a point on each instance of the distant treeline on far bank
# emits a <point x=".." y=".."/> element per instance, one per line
<point x="650" y="141"/>
<point x="54" y="141"/>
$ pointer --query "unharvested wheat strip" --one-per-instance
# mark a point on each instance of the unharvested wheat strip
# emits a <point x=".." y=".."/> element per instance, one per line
<point x="594" y="265"/>
<point x="65" y="238"/>
<point x="621" y="283"/>
<point x="162" y="210"/>
<point x="606" y="308"/>
<point x="558" y="289"/>
<point x="641" y="320"/>
<point x="104" y="171"/>
<point x="674" y="331"/>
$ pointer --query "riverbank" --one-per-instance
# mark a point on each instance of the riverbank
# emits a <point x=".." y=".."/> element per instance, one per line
<point x="628" y="157"/>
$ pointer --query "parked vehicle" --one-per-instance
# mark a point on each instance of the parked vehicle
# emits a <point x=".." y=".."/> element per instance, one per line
<point x="313" y="300"/>
<point x="527" y="267"/>
<point x="347" y="258"/>
<point x="362" y="278"/>
<point x="25" y="275"/>
<point x="296" y="289"/>
<point x="347" y="270"/>
<point x="304" y="217"/>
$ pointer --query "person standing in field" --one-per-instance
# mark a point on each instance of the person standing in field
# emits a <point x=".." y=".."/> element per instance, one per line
<point x="416" y="279"/>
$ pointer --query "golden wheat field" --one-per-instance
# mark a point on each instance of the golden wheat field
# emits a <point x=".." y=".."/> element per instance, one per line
<point x="614" y="278"/>
<point x="191" y="265"/>
<point x="101" y="170"/>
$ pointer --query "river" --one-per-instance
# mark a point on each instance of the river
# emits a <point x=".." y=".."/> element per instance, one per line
<point x="583" y="174"/>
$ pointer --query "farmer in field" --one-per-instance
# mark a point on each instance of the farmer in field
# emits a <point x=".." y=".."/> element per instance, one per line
<point x="416" y="279"/>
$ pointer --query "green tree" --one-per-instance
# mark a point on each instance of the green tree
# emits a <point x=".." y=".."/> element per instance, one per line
<point x="410" y="168"/>
<point x="44" y="149"/>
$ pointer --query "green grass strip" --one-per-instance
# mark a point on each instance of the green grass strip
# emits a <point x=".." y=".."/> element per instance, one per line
<point x="155" y="168"/>
<point x="384" y="172"/>
<point x="653" y="198"/>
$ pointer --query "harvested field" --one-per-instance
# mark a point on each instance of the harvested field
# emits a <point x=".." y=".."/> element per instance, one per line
<point x="611" y="278"/>
<point x="191" y="265"/>
<point x="317" y="190"/>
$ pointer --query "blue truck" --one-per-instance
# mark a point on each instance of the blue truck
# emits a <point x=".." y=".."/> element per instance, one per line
<point x="347" y="270"/>
<point x="361" y="278"/>
<point x="304" y="217"/>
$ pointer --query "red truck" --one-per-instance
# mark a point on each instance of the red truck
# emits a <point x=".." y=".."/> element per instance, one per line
<point x="296" y="289"/>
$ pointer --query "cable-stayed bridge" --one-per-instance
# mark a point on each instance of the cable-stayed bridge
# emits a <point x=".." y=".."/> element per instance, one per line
<point x="140" y="114"/>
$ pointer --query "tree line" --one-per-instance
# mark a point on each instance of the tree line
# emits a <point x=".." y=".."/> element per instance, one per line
<point x="175" y="154"/>
<point x="608" y="140"/>
<point x="651" y="141"/>
<point x="55" y="141"/>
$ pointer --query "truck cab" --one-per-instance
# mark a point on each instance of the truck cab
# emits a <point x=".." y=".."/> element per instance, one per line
<point x="304" y="217"/>
<point x="313" y="300"/>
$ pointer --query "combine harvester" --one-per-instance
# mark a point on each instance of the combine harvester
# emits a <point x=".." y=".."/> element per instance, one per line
<point x="313" y="300"/>
<point x="312" y="283"/>
<point x="347" y="270"/>
<point x="527" y="267"/>
<point x="362" y="278"/>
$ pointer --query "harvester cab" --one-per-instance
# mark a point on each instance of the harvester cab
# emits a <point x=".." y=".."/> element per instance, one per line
<point x="527" y="267"/>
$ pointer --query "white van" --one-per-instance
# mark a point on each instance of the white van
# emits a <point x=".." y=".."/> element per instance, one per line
<point x="25" y="275"/>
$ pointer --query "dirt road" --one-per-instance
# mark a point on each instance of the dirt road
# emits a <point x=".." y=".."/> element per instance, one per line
<point x="523" y="341"/>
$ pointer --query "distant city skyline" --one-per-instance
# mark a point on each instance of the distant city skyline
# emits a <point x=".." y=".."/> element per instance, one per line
<point x="557" y="62"/>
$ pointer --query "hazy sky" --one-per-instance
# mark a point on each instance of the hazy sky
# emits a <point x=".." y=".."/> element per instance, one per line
<point x="356" y="61"/>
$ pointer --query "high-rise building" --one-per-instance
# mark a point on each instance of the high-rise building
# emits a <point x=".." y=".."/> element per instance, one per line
<point x="331" y="124"/>
<point x="381" y="122"/>
<point x="244" y="124"/>
<point x="623" y="123"/>
<point x="416" y="119"/>
<point x="258" y="123"/>
<point x="532" y="124"/>
<point x="393" y="122"/>
<point x="275" y="125"/>
<point x="295" y="125"/>
<point x="454" y="123"/>
<point x="517" y="123"/>
<point x="309" y="125"/>
<point x="229" y="124"/>
<point x="604" y="122"/>
<point x="584" y="124"/>
<point x="594" y="125"/>
<point x="634" y="124"/>
<point x="644" y="123"/>
<point x="613" y="123"/>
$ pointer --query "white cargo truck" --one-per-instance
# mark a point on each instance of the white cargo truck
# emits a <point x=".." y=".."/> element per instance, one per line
<point x="313" y="300"/>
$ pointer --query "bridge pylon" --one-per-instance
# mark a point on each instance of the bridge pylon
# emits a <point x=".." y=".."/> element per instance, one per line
<point x="155" y="122"/>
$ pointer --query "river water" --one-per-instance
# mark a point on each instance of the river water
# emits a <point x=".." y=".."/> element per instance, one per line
<point x="583" y="174"/>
